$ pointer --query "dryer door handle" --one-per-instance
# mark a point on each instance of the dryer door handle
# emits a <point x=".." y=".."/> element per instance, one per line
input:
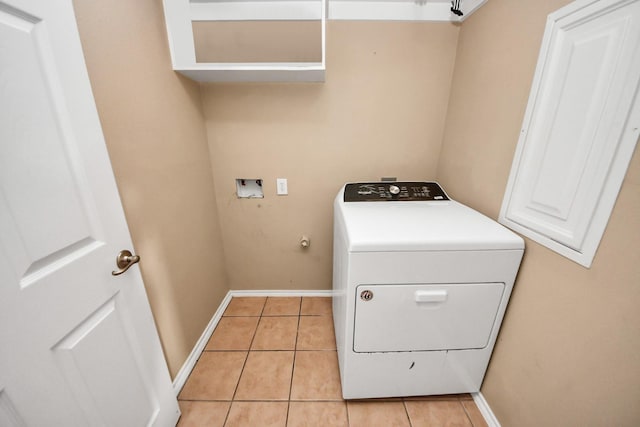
<point x="439" y="295"/>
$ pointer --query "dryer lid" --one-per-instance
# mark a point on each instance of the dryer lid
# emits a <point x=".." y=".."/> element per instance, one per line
<point x="420" y="226"/>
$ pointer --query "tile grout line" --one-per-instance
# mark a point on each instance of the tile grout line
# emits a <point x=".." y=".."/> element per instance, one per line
<point x="245" y="361"/>
<point x="237" y="351"/>
<point x="406" y="411"/>
<point x="293" y="365"/>
<point x="466" y="412"/>
<point x="266" y="400"/>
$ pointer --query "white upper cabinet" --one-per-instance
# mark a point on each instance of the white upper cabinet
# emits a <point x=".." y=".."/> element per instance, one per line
<point x="240" y="40"/>
<point x="276" y="40"/>
<point x="580" y="127"/>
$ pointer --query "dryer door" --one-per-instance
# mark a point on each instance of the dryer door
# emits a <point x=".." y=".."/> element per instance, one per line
<point x="425" y="317"/>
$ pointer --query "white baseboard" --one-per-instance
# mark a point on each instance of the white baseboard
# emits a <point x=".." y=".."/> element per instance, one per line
<point x="485" y="410"/>
<point x="187" y="367"/>
<point x="281" y="293"/>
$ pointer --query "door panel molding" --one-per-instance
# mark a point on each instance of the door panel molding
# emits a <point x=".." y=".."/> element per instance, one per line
<point x="580" y="128"/>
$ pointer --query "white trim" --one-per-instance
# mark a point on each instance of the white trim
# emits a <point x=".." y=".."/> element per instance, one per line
<point x="179" y="33"/>
<point x="190" y="363"/>
<point x="281" y="293"/>
<point x="485" y="410"/>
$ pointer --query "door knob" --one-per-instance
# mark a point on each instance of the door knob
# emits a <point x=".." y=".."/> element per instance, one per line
<point x="124" y="260"/>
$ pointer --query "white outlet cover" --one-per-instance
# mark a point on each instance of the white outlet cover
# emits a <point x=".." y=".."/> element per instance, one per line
<point x="281" y="186"/>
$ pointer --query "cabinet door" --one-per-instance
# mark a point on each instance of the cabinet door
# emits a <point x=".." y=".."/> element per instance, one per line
<point x="580" y="129"/>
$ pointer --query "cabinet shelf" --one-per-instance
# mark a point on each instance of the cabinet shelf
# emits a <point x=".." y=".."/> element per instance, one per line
<point x="256" y="72"/>
<point x="180" y="15"/>
<point x="191" y="39"/>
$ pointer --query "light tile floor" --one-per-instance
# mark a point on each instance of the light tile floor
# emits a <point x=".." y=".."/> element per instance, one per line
<point x="273" y="362"/>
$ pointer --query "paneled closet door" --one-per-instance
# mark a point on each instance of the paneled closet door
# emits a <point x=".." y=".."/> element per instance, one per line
<point x="580" y="128"/>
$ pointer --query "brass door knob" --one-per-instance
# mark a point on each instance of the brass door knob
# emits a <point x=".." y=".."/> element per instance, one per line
<point x="124" y="260"/>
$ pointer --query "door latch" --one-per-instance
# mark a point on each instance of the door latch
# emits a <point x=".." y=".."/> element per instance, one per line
<point x="124" y="260"/>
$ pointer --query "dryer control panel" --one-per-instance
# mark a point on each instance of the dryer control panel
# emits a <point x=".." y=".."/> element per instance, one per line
<point x="394" y="192"/>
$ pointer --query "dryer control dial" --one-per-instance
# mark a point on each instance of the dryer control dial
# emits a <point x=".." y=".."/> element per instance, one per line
<point x="394" y="189"/>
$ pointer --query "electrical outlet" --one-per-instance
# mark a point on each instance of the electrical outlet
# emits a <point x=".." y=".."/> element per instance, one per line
<point x="281" y="186"/>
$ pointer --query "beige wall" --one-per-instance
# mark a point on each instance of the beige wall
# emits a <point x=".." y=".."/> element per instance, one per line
<point x="568" y="351"/>
<point x="257" y="41"/>
<point x="380" y="113"/>
<point x="152" y="121"/>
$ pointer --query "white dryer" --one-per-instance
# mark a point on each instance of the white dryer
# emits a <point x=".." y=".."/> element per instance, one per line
<point x="420" y="285"/>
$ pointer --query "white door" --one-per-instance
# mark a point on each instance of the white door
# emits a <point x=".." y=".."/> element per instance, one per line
<point x="78" y="346"/>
